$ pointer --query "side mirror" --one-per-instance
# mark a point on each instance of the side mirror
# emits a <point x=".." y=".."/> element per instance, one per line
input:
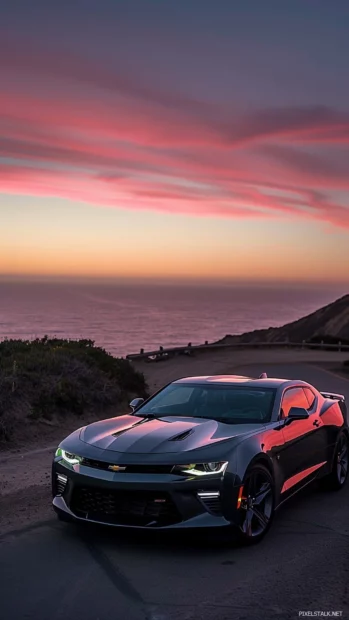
<point x="297" y="413"/>
<point x="136" y="402"/>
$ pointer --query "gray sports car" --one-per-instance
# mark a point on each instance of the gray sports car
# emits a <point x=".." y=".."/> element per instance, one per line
<point x="204" y="452"/>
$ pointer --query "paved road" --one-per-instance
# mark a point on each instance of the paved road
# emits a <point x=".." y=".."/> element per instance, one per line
<point x="53" y="571"/>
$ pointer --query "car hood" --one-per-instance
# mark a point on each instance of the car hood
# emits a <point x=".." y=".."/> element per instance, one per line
<point x="136" y="435"/>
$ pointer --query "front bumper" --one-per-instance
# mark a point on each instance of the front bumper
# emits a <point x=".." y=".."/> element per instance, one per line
<point x="152" y="501"/>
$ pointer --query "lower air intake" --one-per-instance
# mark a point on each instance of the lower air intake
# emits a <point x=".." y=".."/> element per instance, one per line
<point x="61" y="483"/>
<point x="212" y="503"/>
<point x="145" y="509"/>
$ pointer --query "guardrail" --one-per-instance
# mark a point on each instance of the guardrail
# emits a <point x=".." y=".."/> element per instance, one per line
<point x="163" y="353"/>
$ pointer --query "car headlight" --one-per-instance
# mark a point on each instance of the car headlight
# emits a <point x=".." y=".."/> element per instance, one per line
<point x="68" y="457"/>
<point x="201" y="469"/>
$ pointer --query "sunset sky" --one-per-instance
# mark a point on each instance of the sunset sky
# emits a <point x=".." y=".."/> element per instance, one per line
<point x="178" y="138"/>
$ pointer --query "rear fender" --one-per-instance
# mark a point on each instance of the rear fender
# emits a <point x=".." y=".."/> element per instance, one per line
<point x="334" y="412"/>
<point x="333" y="415"/>
<point x="330" y="398"/>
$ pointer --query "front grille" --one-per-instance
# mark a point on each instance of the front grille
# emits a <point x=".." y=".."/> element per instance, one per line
<point x="129" y="469"/>
<point x="94" y="464"/>
<point x="212" y="505"/>
<point x="144" y="508"/>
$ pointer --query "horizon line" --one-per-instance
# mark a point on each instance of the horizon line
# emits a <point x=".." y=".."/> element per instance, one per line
<point x="173" y="280"/>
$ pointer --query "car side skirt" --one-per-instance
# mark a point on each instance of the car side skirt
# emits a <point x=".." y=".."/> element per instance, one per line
<point x="300" y="477"/>
<point x="298" y="482"/>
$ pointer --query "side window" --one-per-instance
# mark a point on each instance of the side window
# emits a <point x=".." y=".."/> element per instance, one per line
<point x="294" y="397"/>
<point x="310" y="396"/>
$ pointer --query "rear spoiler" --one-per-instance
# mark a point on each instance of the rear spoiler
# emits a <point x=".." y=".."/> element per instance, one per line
<point x="340" y="397"/>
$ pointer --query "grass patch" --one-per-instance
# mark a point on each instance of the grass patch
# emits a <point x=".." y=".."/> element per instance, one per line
<point x="48" y="378"/>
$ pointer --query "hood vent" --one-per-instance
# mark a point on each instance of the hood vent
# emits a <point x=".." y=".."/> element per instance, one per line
<point x="124" y="430"/>
<point x="118" y="433"/>
<point x="128" y="428"/>
<point x="182" y="436"/>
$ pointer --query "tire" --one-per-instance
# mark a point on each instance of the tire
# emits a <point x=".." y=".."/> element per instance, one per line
<point x="258" y="483"/>
<point x="335" y="481"/>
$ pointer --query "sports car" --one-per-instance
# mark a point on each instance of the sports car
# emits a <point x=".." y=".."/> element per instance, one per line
<point x="213" y="451"/>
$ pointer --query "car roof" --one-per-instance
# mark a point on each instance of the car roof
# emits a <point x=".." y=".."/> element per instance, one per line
<point x="238" y="381"/>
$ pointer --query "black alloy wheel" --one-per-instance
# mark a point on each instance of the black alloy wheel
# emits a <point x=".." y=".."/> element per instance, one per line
<point x="257" y="505"/>
<point x="339" y="474"/>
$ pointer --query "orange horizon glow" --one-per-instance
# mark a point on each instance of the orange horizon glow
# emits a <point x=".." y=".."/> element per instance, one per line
<point x="46" y="265"/>
<point x="107" y="243"/>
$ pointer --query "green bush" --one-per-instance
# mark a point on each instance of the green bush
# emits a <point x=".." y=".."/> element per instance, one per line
<point x="46" y="377"/>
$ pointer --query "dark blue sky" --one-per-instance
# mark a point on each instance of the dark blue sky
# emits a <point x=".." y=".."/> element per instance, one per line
<point x="255" y="52"/>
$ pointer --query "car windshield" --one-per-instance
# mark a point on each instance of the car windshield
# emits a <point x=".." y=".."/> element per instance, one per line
<point x="229" y="404"/>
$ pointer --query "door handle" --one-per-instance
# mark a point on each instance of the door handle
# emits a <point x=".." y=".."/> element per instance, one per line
<point x="316" y="423"/>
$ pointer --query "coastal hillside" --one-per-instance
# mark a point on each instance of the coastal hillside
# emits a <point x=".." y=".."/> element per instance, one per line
<point x="330" y="323"/>
<point x="50" y="382"/>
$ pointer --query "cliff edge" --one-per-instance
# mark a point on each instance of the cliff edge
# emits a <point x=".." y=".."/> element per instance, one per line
<point x="330" y="323"/>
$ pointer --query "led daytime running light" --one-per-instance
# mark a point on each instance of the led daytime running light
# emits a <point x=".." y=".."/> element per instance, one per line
<point x="207" y="469"/>
<point x="68" y="457"/>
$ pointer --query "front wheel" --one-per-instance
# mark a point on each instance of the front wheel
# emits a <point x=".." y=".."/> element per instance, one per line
<point x="257" y="505"/>
<point x="339" y="473"/>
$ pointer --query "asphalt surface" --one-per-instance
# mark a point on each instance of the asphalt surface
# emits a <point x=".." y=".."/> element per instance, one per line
<point x="54" y="571"/>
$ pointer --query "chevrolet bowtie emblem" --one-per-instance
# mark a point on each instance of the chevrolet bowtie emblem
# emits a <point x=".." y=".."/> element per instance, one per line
<point x="116" y="468"/>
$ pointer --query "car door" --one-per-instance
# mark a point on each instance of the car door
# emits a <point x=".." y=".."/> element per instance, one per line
<point x="302" y="450"/>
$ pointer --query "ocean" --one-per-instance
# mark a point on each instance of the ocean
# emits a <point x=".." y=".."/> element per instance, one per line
<point x="122" y="318"/>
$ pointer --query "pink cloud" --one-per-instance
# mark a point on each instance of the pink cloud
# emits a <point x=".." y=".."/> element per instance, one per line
<point x="36" y="182"/>
<point x="129" y="145"/>
<point x="244" y="202"/>
<point x="126" y="106"/>
<point x="106" y="119"/>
